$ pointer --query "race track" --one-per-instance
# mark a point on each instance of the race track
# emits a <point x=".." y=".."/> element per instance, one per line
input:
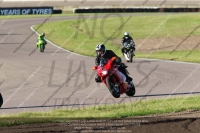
<point x="40" y="81"/>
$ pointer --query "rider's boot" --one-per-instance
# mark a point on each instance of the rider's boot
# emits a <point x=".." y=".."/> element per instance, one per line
<point x="129" y="81"/>
<point x="130" y="84"/>
<point x="98" y="79"/>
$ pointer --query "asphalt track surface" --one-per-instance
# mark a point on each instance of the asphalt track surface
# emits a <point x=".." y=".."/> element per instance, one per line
<point x="45" y="81"/>
<point x="80" y="3"/>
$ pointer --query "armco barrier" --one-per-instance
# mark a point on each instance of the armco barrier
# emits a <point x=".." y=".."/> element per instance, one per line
<point x="28" y="10"/>
<point x="57" y="11"/>
<point x="122" y="10"/>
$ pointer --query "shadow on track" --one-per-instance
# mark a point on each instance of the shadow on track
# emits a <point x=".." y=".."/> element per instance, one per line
<point x="45" y="106"/>
<point x="154" y="95"/>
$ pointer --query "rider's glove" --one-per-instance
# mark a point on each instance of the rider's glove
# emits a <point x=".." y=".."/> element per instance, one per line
<point x="118" y="61"/>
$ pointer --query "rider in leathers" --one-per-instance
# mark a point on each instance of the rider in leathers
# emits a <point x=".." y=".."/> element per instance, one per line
<point x="107" y="55"/>
<point x="41" y="37"/>
<point x="129" y="39"/>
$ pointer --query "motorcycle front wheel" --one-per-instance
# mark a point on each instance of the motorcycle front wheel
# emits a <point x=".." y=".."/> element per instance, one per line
<point x="115" y="91"/>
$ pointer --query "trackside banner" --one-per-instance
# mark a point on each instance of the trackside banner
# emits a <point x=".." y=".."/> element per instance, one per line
<point x="26" y="10"/>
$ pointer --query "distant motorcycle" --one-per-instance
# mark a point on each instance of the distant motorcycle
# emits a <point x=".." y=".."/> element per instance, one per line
<point x="129" y="51"/>
<point x="107" y="72"/>
<point x="41" y="45"/>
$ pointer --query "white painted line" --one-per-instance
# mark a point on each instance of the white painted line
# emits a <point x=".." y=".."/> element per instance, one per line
<point x="189" y="63"/>
<point x="57" y="45"/>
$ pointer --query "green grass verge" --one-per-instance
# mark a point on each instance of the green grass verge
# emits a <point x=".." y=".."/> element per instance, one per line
<point x="82" y="36"/>
<point x="181" y="55"/>
<point x="138" y="108"/>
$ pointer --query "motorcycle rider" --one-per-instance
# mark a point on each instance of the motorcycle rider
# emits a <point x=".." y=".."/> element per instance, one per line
<point x="127" y="38"/>
<point x="102" y="53"/>
<point x="41" y="37"/>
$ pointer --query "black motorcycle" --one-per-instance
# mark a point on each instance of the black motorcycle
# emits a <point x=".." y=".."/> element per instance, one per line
<point x="128" y="51"/>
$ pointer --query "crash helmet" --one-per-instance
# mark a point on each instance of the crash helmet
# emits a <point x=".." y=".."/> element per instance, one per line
<point x="126" y="35"/>
<point x="42" y="35"/>
<point x="100" y="49"/>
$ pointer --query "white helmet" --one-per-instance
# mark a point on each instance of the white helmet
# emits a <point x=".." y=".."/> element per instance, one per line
<point x="126" y="35"/>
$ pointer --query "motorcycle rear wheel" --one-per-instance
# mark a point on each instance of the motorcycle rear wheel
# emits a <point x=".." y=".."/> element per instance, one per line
<point x="41" y="48"/>
<point x="131" y="91"/>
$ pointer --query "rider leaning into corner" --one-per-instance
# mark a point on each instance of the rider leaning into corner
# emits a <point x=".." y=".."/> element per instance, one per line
<point x="127" y="38"/>
<point x="41" y="37"/>
<point x="102" y="53"/>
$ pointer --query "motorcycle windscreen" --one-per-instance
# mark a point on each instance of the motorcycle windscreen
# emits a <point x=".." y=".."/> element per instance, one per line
<point x="1" y="100"/>
<point x="125" y="44"/>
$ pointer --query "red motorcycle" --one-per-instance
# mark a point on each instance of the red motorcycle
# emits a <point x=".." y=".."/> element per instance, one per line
<point x="107" y="72"/>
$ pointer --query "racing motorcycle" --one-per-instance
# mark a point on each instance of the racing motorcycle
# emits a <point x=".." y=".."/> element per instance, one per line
<point x="128" y="51"/>
<point x="41" y="45"/>
<point x="107" y="72"/>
